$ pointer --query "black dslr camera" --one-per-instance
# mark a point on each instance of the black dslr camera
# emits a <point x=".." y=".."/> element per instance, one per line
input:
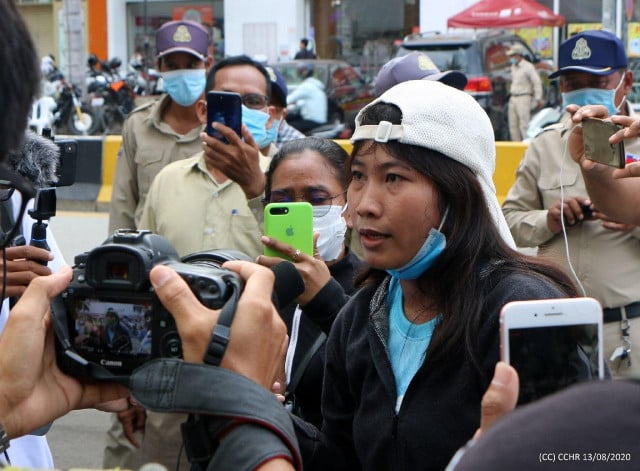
<point x="109" y="321"/>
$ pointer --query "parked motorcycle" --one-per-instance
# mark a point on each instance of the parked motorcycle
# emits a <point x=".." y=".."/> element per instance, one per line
<point x="60" y="108"/>
<point x="335" y="129"/>
<point x="112" y="95"/>
<point x="145" y="81"/>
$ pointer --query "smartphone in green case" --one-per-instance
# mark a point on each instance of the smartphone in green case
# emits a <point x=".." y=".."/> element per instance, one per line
<point x="291" y="223"/>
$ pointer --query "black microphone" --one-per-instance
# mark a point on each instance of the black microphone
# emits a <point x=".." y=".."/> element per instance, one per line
<point x="288" y="284"/>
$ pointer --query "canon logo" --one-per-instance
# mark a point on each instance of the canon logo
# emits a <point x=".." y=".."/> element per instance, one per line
<point x="110" y="363"/>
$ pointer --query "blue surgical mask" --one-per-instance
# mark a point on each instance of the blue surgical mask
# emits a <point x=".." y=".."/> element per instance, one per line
<point x="272" y="132"/>
<point x="184" y="86"/>
<point x="431" y="249"/>
<point x="595" y="96"/>
<point x="256" y="122"/>
<point x="513" y="61"/>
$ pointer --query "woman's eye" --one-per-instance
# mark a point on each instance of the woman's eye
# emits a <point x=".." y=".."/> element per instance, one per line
<point x="355" y="175"/>
<point x="392" y="177"/>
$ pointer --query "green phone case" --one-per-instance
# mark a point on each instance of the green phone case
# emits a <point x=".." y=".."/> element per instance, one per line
<point x="291" y="223"/>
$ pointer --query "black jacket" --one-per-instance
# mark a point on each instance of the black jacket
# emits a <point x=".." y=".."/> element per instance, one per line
<point x="441" y="408"/>
<point x="315" y="323"/>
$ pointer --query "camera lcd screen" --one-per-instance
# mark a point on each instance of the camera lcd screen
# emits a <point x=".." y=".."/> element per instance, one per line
<point x="553" y="357"/>
<point x="112" y="328"/>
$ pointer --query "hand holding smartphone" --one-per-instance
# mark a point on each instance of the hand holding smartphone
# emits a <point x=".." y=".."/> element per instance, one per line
<point x="225" y="108"/>
<point x="596" y="134"/>
<point x="552" y="343"/>
<point x="291" y="223"/>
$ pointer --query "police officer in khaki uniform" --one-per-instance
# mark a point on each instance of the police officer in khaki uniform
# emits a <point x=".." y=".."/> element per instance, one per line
<point x="604" y="254"/>
<point x="525" y="93"/>
<point x="167" y="129"/>
<point x="155" y="134"/>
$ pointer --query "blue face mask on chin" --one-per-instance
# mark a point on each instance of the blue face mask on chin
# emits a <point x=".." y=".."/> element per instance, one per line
<point x="594" y="96"/>
<point x="256" y="122"/>
<point x="184" y="86"/>
<point x="431" y="249"/>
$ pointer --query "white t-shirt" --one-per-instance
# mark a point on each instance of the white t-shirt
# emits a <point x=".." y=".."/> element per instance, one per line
<point x="30" y="451"/>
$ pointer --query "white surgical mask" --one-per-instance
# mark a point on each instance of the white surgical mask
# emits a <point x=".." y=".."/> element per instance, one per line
<point x="332" y="228"/>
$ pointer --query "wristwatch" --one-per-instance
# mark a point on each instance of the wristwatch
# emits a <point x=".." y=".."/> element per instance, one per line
<point x="4" y="439"/>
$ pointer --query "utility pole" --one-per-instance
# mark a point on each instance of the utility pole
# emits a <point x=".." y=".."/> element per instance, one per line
<point x="145" y="64"/>
<point x="73" y="54"/>
<point x="609" y="15"/>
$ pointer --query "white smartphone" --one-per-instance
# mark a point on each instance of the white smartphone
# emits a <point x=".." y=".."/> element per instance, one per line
<point x="552" y="343"/>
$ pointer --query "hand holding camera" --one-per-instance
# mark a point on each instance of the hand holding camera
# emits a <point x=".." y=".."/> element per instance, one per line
<point x="113" y="318"/>
<point x="573" y="210"/>
<point x="255" y="345"/>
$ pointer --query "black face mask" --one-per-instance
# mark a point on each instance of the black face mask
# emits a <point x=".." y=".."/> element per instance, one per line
<point x="10" y="182"/>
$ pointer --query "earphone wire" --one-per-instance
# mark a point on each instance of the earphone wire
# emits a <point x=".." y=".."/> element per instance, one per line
<point x="562" y="221"/>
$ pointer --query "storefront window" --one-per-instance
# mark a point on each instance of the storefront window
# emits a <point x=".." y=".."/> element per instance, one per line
<point x="362" y="32"/>
<point x="142" y="28"/>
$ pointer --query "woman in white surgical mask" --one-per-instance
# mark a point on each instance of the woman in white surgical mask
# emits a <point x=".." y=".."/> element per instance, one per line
<point x="312" y="169"/>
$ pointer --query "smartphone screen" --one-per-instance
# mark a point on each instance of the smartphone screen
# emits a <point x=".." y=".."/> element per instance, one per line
<point x="291" y="223"/>
<point x="225" y="108"/>
<point x="552" y="344"/>
<point x="597" y="147"/>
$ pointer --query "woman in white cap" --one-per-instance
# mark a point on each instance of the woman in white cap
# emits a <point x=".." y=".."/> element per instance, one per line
<point x="410" y="356"/>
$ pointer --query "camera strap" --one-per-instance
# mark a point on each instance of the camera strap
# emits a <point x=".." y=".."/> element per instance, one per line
<point x="221" y="331"/>
<point x="255" y="424"/>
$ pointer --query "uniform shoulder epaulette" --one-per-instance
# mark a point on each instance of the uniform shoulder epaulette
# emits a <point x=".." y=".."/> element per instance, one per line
<point x="552" y="127"/>
<point x="144" y="106"/>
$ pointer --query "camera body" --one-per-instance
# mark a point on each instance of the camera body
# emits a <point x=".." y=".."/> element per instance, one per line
<point x="67" y="164"/>
<point x="109" y="321"/>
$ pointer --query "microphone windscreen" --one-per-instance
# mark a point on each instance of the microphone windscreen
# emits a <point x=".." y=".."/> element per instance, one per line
<point x="36" y="160"/>
<point x="288" y="284"/>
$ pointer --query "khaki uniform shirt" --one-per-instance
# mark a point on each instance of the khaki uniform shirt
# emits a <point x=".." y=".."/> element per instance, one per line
<point x="194" y="212"/>
<point x="525" y="80"/>
<point x="148" y="144"/>
<point x="605" y="261"/>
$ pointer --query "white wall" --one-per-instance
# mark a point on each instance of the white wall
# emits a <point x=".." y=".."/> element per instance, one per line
<point x="243" y="16"/>
<point x="434" y="13"/>
<point x="117" y="29"/>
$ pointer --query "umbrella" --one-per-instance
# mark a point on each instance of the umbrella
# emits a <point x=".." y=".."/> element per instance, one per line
<point x="505" y="14"/>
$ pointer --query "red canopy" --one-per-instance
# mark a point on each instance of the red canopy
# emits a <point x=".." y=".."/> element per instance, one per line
<point x="505" y="14"/>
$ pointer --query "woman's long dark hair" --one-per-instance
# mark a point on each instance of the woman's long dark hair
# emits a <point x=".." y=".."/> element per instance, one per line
<point x="456" y="280"/>
<point x="334" y="155"/>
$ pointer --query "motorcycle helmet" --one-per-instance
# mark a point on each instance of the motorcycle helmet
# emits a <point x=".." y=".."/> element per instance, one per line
<point x="115" y="63"/>
<point x="92" y="60"/>
<point x="305" y="70"/>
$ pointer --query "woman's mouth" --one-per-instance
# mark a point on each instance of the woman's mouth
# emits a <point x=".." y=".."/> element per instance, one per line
<point x="370" y="238"/>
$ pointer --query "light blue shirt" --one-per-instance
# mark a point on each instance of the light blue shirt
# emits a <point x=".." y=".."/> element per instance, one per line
<point x="311" y="99"/>
<point x="408" y="342"/>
